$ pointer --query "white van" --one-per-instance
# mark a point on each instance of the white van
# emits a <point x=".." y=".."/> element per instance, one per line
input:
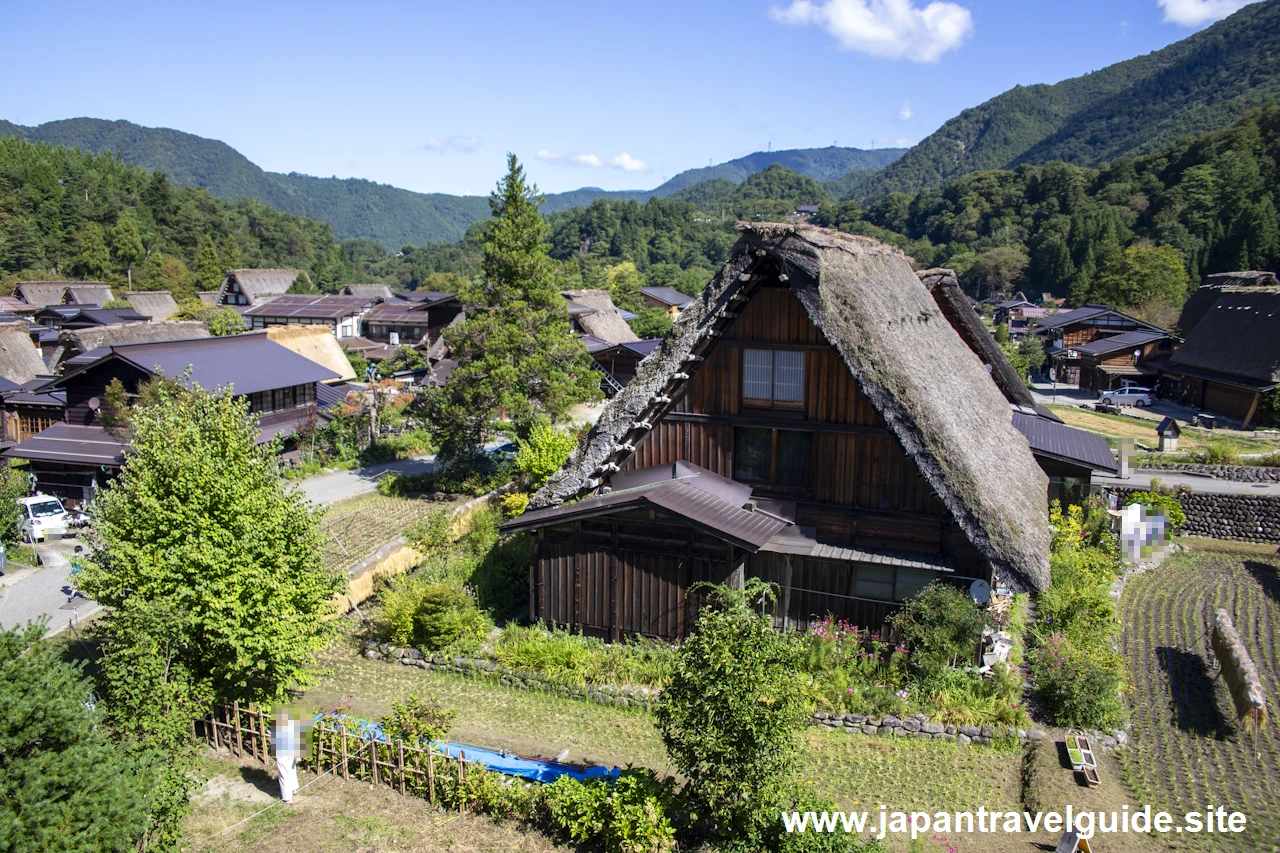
<point x="42" y="516"/>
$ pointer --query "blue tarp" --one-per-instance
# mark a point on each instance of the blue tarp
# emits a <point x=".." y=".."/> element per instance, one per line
<point x="510" y="765"/>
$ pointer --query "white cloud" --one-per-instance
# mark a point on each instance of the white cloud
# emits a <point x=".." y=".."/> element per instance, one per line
<point x="627" y="163"/>
<point x="1193" y="13"/>
<point x="905" y="112"/>
<point x="589" y="161"/>
<point x="464" y="144"/>
<point x="892" y="29"/>
<point x="889" y="142"/>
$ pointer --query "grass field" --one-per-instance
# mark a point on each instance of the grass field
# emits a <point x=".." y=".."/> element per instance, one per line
<point x="1186" y="750"/>
<point x="355" y="528"/>
<point x="1144" y="431"/>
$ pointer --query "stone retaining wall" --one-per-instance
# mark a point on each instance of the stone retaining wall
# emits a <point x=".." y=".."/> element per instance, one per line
<point x="921" y="727"/>
<point x="1251" y="518"/>
<point x="1235" y="473"/>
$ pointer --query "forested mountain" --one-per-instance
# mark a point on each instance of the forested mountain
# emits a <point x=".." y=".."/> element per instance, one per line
<point x="1139" y="106"/>
<point x="388" y="215"/>
<point x="70" y="214"/>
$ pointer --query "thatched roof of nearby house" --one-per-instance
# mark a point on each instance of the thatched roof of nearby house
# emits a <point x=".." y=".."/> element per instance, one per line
<point x="932" y="393"/>
<point x="369" y="291"/>
<point x="1237" y="340"/>
<point x="316" y="343"/>
<point x="603" y="321"/>
<point x="156" y="304"/>
<point x="209" y="297"/>
<point x="45" y="293"/>
<point x="1200" y="301"/>
<point x="88" y="293"/>
<point x="20" y="359"/>
<point x="79" y="341"/>
<point x="260" y="285"/>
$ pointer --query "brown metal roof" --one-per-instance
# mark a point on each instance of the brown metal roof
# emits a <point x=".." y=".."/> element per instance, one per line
<point x="85" y="445"/>
<point x="1059" y="441"/>
<point x="326" y="307"/>
<point x="398" y="312"/>
<point x="803" y="542"/>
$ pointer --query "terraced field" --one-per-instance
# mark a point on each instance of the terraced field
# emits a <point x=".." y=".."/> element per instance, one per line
<point x="1186" y="750"/>
<point x="353" y="529"/>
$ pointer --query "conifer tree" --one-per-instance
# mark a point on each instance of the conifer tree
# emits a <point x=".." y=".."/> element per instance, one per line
<point x="230" y="252"/>
<point x="515" y="351"/>
<point x="126" y="244"/>
<point x="209" y="269"/>
<point x="302" y="284"/>
<point x="94" y="260"/>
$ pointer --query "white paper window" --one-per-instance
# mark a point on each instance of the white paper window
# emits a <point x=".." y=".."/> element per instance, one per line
<point x="788" y="376"/>
<point x="757" y="374"/>
<point x="910" y="584"/>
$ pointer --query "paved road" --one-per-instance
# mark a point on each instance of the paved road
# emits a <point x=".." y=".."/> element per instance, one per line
<point x="1142" y="480"/>
<point x="328" y="488"/>
<point x="29" y="594"/>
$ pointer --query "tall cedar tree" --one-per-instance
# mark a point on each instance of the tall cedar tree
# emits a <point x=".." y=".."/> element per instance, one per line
<point x="63" y="784"/>
<point x="515" y="351"/>
<point x="209" y="269"/>
<point x="200" y="521"/>
<point x="94" y="260"/>
<point x="126" y="244"/>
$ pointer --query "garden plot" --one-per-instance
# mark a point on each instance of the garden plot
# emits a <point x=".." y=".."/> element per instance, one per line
<point x="1186" y="751"/>
<point x="353" y="529"/>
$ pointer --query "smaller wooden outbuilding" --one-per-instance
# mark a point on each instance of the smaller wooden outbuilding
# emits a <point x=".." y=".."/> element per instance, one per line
<point x="1168" y="431"/>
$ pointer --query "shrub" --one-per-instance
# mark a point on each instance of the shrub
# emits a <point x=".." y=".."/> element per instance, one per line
<point x="431" y="616"/>
<point x="514" y="504"/>
<point x="1218" y="453"/>
<point x="1161" y="502"/>
<point x="802" y="797"/>
<point x="940" y="626"/>
<point x="418" y="721"/>
<point x="572" y="659"/>
<point x="544" y="451"/>
<point x="1079" y="685"/>
<point x="628" y="815"/>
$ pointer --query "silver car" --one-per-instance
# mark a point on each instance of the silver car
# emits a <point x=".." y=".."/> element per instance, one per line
<point x="1130" y="395"/>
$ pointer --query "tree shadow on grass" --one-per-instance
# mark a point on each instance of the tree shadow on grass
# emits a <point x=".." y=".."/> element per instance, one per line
<point x="1192" y="689"/>
<point x="1267" y="576"/>
<point x="259" y="778"/>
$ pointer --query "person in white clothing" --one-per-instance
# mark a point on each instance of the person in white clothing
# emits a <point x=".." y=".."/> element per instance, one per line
<point x="288" y="744"/>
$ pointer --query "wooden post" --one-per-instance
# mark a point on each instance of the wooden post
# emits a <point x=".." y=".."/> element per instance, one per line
<point x="373" y="743"/>
<point x="345" y="775"/>
<point x="235" y="709"/>
<point x="786" y="591"/>
<point x="266" y="739"/>
<point x="400" y="761"/>
<point x="431" y="776"/>
<point x="217" y="735"/>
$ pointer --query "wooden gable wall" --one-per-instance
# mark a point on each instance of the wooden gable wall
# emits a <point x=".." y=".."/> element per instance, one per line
<point x="864" y="489"/>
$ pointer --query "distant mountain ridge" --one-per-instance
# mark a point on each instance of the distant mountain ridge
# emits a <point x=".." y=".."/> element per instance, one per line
<point x="1202" y="83"/>
<point x="389" y="215"/>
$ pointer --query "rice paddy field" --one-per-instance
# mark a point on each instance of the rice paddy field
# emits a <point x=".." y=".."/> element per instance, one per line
<point x="355" y="528"/>
<point x="1186" y="749"/>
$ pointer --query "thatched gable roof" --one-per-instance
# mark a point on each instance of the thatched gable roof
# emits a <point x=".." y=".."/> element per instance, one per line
<point x="1238" y="338"/>
<point x="369" y="291"/>
<point x="20" y="359"/>
<point x="45" y="293"/>
<point x="1200" y="301"/>
<point x="932" y="393"/>
<point x="209" y="297"/>
<point x="156" y="304"/>
<point x="78" y="341"/>
<point x="88" y="293"/>
<point x="260" y="285"/>
<point x="603" y="321"/>
<point x="316" y="343"/>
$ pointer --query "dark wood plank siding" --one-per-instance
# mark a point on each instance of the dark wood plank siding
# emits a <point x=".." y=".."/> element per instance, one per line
<point x="808" y="581"/>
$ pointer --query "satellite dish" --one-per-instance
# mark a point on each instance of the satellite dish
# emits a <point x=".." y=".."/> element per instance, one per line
<point x="980" y="592"/>
<point x="94" y="403"/>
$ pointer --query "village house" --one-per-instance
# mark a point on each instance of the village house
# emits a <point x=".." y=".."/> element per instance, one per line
<point x="1230" y="359"/>
<point x="1005" y="312"/>
<point x="413" y="323"/>
<point x="42" y="294"/>
<point x="794" y="426"/>
<point x="242" y="289"/>
<point x="341" y="315"/>
<point x="21" y="370"/>
<point x="373" y="292"/>
<point x="279" y="384"/>
<point x="1063" y="333"/>
<point x="666" y="298"/>
<point x="1068" y="456"/>
<point x="155" y="304"/>
<point x="72" y="343"/>
<point x="1109" y="363"/>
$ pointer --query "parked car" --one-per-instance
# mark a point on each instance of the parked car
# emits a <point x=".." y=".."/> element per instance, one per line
<point x="1129" y="395"/>
<point x="42" y="516"/>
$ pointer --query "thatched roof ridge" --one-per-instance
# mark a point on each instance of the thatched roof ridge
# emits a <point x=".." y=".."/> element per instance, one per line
<point x="45" y="293"/>
<point x="133" y="333"/>
<point x="945" y="288"/>
<point x="88" y="293"/>
<point x="369" y="291"/>
<point x="1239" y="336"/>
<point x="260" y="285"/>
<point x="1213" y="286"/>
<point x="156" y="304"/>
<point x="605" y="322"/>
<point x="20" y="359"/>
<point x="935" y="397"/>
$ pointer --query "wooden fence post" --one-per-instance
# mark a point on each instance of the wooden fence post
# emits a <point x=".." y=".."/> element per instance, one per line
<point x="344" y="754"/>
<point x="373" y="743"/>
<point x="400" y="759"/>
<point x="266" y="739"/>
<point x="235" y="709"/>
<point x="431" y="776"/>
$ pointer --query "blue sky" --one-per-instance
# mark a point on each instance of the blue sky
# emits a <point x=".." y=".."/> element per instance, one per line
<point x="431" y="95"/>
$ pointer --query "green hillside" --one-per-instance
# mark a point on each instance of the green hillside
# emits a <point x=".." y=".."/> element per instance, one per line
<point x="1139" y="106"/>
<point x="389" y="215"/>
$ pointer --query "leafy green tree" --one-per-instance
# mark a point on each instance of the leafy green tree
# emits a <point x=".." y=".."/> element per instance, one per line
<point x="544" y="451"/>
<point x="201" y="522"/>
<point x="94" y="260"/>
<point x="403" y="358"/>
<point x="13" y="485"/>
<point x="225" y="321"/>
<point x="998" y="270"/>
<point x="64" y="785"/>
<point x="1031" y="348"/>
<point x="651" y="323"/>
<point x="1145" y="274"/>
<point x="515" y="352"/>
<point x="209" y="269"/>
<point x="624" y="286"/>
<point x="358" y="362"/>
<point x="126" y="244"/>
<point x="733" y="714"/>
